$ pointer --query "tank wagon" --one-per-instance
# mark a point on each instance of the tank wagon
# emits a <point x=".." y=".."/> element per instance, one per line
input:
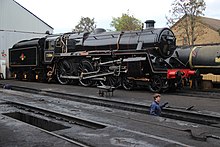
<point x="205" y="58"/>
<point x="126" y="58"/>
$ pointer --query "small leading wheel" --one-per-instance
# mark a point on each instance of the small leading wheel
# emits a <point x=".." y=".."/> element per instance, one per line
<point x="63" y="69"/>
<point x="84" y="67"/>
<point x="156" y="84"/>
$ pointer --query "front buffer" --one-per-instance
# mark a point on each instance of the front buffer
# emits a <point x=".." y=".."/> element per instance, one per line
<point x="179" y="77"/>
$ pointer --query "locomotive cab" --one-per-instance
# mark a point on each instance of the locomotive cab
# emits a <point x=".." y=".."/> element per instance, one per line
<point x="50" y="47"/>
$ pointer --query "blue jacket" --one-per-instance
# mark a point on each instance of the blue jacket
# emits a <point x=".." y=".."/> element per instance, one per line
<point x="155" y="109"/>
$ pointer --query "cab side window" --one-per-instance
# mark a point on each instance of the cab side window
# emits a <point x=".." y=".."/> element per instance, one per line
<point x="50" y="44"/>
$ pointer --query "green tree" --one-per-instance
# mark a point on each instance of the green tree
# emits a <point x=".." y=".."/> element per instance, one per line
<point x="85" y="24"/>
<point x="126" y="23"/>
<point x="189" y="12"/>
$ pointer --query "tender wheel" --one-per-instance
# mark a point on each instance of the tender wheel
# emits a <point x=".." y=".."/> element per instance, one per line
<point x="63" y="69"/>
<point x="127" y="84"/>
<point x="30" y="76"/>
<point x="42" y="77"/>
<point x="85" y="67"/>
<point x="156" y="84"/>
<point x="19" y="76"/>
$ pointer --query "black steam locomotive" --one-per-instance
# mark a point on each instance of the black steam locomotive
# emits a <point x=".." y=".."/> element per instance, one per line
<point x="116" y="59"/>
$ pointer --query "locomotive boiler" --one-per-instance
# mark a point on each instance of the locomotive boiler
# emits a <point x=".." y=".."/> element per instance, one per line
<point x="126" y="58"/>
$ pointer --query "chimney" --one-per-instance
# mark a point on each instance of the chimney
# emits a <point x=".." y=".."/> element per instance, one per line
<point x="149" y="24"/>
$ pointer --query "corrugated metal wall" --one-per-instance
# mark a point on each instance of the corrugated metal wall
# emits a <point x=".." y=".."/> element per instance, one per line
<point x="15" y="17"/>
<point x="17" y="23"/>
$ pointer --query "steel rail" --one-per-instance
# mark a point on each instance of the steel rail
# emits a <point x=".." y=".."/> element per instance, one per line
<point x="58" y="116"/>
<point x="29" y="107"/>
<point x="177" y="114"/>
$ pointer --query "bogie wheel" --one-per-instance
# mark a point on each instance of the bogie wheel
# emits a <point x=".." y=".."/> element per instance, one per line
<point x="127" y="84"/>
<point x="155" y="84"/>
<point x="63" y="69"/>
<point x="84" y="67"/>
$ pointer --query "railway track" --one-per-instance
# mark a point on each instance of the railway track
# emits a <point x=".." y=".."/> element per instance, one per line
<point x="23" y="114"/>
<point x="173" y="113"/>
<point x="66" y="118"/>
<point x="208" y="94"/>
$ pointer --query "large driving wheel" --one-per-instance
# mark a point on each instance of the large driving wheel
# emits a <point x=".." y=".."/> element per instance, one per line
<point x="74" y="72"/>
<point x="127" y="84"/>
<point x="112" y="80"/>
<point x="84" y="67"/>
<point x="156" y="84"/>
<point x="63" y="69"/>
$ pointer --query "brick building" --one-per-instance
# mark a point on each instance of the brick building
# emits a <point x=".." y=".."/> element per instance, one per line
<point x="209" y="31"/>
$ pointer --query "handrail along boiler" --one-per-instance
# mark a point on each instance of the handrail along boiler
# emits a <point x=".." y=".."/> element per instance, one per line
<point x="127" y="58"/>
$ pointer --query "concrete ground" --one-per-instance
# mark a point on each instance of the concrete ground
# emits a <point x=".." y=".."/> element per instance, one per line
<point x="143" y="97"/>
<point x="14" y="133"/>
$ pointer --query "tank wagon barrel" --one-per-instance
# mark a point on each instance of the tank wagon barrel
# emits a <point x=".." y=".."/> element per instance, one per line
<point x="206" y="59"/>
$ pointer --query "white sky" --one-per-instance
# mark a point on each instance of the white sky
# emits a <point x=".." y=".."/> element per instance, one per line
<point x="64" y="15"/>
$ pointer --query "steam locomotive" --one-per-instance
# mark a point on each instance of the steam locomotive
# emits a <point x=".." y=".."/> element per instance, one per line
<point x="127" y="58"/>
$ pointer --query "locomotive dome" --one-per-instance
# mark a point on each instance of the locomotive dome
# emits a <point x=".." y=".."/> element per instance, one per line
<point x="99" y="30"/>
